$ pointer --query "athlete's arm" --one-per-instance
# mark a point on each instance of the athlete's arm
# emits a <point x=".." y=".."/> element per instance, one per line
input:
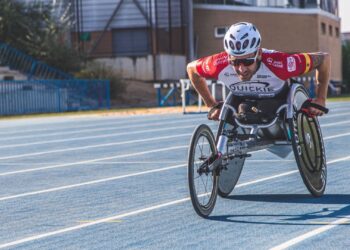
<point x="200" y="84"/>
<point x="322" y="63"/>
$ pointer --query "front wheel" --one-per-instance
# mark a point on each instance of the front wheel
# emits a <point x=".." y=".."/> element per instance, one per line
<point x="203" y="183"/>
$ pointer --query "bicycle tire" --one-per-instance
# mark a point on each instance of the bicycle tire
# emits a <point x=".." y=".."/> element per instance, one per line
<point x="203" y="199"/>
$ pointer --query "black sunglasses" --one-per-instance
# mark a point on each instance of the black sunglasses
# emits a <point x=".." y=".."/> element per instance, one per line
<point x="245" y="61"/>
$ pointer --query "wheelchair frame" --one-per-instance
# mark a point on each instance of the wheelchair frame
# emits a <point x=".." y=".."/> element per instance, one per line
<point x="228" y="148"/>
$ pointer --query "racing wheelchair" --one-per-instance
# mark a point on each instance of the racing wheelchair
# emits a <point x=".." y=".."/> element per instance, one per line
<point x="215" y="164"/>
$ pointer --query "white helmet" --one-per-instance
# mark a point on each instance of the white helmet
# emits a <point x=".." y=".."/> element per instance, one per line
<point x="242" y="39"/>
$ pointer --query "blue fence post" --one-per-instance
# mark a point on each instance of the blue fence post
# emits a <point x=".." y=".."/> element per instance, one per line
<point x="37" y="96"/>
<point x="174" y="96"/>
<point x="32" y="70"/>
<point x="312" y="88"/>
<point x="58" y="86"/>
<point x="159" y="97"/>
<point x="108" y="94"/>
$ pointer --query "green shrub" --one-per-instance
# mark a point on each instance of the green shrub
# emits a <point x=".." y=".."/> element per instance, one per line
<point x="94" y="70"/>
<point x="35" y="29"/>
<point x="61" y="56"/>
<point x="346" y="65"/>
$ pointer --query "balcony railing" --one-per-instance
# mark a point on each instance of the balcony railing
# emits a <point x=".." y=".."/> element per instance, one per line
<point x="330" y="6"/>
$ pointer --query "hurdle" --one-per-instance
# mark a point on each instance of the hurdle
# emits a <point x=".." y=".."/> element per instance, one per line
<point x="185" y="93"/>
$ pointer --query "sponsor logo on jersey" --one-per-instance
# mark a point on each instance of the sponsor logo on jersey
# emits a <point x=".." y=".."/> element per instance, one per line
<point x="221" y="60"/>
<point x="269" y="60"/>
<point x="251" y="87"/>
<point x="277" y="64"/>
<point x="229" y="74"/>
<point x="263" y="76"/>
<point x="291" y="64"/>
<point x="268" y="51"/>
<point x="206" y="65"/>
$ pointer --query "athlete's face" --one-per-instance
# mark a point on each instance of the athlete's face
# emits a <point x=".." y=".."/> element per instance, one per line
<point x="245" y="66"/>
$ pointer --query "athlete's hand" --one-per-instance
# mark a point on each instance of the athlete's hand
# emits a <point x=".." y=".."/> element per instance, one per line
<point x="214" y="115"/>
<point x="317" y="112"/>
<point x="214" y="111"/>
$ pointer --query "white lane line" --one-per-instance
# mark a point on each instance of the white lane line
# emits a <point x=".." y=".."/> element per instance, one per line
<point x="91" y="137"/>
<point x="91" y="182"/>
<point x="148" y="172"/>
<point x="334" y="123"/>
<point x="335" y="136"/>
<point x="93" y="160"/>
<point x="336" y="109"/>
<point x="339" y="160"/>
<point x="267" y="178"/>
<point x="312" y="233"/>
<point x="320" y="230"/>
<point x="120" y="216"/>
<point x="114" y="134"/>
<point x="95" y="146"/>
<point x="141" y="162"/>
<point x="334" y="115"/>
<point x="95" y="163"/>
<point x="98" y="136"/>
<point x="108" y="135"/>
<point x="109" y="128"/>
<point x="84" y="225"/>
<point x="281" y="160"/>
<point x="99" y="122"/>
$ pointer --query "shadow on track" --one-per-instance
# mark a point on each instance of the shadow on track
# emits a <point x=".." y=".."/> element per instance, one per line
<point x="295" y="198"/>
<point x="316" y="217"/>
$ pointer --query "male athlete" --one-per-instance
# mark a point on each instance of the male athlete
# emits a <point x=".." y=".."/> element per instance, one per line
<point x="245" y="67"/>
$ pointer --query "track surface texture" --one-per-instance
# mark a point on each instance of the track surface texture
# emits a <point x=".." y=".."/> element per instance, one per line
<point x="121" y="183"/>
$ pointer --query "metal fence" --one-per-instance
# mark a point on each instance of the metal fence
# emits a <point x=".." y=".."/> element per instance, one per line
<point x="46" y="96"/>
<point x="24" y="63"/>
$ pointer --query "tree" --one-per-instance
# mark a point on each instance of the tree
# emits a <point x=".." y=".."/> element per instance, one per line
<point x="346" y="65"/>
<point x="34" y="29"/>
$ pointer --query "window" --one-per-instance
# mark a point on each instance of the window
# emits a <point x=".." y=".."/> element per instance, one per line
<point x="130" y="42"/>
<point x="323" y="28"/>
<point x="330" y="28"/>
<point x="220" y="31"/>
<point x="337" y="32"/>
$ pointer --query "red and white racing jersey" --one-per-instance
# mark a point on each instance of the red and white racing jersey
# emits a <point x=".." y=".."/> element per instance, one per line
<point x="275" y="68"/>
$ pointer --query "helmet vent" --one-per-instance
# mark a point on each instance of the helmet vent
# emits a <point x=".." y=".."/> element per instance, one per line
<point x="258" y="43"/>
<point x="245" y="44"/>
<point x="253" y="42"/>
<point x="245" y="36"/>
<point x="232" y="46"/>
<point x="238" y="45"/>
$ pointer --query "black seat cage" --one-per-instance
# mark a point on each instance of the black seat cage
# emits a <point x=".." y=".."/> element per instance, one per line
<point x="289" y="106"/>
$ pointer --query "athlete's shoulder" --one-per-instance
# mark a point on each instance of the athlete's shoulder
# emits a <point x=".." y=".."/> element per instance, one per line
<point x="285" y="65"/>
<point x="273" y="58"/>
<point x="211" y="66"/>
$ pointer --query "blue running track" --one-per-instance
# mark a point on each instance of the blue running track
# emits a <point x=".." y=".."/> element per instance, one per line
<point x="104" y="182"/>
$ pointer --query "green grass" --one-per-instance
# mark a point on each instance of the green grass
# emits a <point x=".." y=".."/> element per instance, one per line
<point x="341" y="98"/>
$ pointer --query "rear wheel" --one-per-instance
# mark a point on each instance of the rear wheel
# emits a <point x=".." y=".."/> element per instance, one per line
<point x="230" y="174"/>
<point x="203" y="184"/>
<point x="309" y="151"/>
